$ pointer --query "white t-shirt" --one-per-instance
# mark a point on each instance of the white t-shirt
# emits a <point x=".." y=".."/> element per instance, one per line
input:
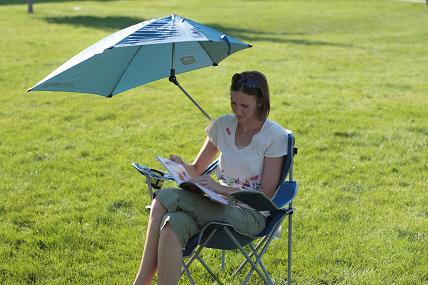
<point x="243" y="167"/>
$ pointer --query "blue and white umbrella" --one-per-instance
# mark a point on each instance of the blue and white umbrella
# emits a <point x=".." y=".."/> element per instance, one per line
<point x="140" y="54"/>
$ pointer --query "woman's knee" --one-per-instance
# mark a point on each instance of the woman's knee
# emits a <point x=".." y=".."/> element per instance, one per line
<point x="157" y="209"/>
<point x="183" y="226"/>
<point x="168" y="235"/>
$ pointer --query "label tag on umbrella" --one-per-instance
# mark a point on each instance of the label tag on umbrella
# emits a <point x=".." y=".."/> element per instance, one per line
<point x="186" y="60"/>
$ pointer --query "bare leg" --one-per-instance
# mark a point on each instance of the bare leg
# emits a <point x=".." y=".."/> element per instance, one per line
<point x="149" y="260"/>
<point x="169" y="257"/>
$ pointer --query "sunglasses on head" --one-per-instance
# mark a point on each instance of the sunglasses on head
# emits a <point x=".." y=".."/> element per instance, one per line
<point x="239" y="80"/>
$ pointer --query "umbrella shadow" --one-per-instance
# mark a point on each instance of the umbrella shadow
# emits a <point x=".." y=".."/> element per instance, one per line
<point x="23" y="2"/>
<point x="103" y="23"/>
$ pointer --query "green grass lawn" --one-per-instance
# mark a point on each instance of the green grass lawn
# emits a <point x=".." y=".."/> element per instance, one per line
<point x="348" y="77"/>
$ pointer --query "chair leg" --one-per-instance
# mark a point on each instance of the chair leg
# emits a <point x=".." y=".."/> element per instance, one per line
<point x="222" y="258"/>
<point x="260" y="255"/>
<point x="149" y="186"/>
<point x="290" y="226"/>
<point x="265" y="242"/>
<point x="262" y="266"/>
<point x="200" y="247"/>
<point x="251" y="255"/>
<point x="186" y="269"/>
<point x="259" y="262"/>
<point x="208" y="269"/>
<point x="254" y="266"/>
<point x="197" y="256"/>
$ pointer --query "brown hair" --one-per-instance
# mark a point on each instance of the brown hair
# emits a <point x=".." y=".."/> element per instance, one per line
<point x="253" y="83"/>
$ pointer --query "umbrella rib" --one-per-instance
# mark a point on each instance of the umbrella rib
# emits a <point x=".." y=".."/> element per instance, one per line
<point x="214" y="63"/>
<point x="120" y="78"/>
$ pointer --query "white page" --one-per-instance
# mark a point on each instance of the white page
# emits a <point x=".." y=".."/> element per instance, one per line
<point x="180" y="175"/>
<point x="177" y="170"/>
<point x="213" y="195"/>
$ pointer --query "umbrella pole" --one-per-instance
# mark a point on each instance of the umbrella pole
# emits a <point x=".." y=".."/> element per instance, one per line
<point x="173" y="79"/>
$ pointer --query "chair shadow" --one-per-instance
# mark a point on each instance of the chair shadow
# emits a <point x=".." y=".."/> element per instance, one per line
<point x="248" y="35"/>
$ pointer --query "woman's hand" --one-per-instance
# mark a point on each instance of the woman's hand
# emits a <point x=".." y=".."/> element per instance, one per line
<point x="176" y="158"/>
<point x="189" y="167"/>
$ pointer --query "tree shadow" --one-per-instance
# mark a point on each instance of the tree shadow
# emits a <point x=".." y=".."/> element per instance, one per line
<point x="247" y="35"/>
<point x="103" y="23"/>
<point x="24" y="2"/>
<point x="251" y="35"/>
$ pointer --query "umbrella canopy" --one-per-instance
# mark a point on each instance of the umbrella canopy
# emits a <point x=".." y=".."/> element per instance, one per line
<point x="139" y="54"/>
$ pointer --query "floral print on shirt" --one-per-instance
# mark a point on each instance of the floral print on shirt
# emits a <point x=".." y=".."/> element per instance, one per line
<point x="249" y="183"/>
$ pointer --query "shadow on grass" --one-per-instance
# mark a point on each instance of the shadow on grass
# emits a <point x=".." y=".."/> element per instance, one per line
<point x="24" y="2"/>
<point x="251" y="35"/>
<point x="104" y="23"/>
<point x="248" y="35"/>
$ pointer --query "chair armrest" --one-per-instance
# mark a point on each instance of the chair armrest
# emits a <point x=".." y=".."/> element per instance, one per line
<point x="260" y="202"/>
<point x="285" y="193"/>
<point x="155" y="176"/>
<point x="255" y="199"/>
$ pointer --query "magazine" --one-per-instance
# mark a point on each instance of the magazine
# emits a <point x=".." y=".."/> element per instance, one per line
<point x="183" y="180"/>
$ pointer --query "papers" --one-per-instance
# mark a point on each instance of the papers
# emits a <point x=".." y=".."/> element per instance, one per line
<point x="183" y="180"/>
<point x="177" y="170"/>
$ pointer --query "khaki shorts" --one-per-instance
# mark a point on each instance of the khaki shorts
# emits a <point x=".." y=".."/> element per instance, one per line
<point x="189" y="212"/>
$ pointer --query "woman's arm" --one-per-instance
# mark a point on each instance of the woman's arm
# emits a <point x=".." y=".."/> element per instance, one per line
<point x="205" y="156"/>
<point x="272" y="167"/>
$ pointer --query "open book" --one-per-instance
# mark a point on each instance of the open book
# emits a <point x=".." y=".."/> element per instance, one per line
<point x="183" y="180"/>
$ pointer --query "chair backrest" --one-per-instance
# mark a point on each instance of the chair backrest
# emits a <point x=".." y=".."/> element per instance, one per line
<point x="288" y="159"/>
<point x="286" y="189"/>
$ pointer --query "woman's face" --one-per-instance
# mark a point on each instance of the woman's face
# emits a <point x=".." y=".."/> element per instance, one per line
<point x="244" y="106"/>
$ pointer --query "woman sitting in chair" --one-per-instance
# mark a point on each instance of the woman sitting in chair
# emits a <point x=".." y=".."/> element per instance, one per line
<point x="251" y="156"/>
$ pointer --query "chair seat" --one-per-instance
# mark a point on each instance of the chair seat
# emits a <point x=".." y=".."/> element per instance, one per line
<point x="218" y="240"/>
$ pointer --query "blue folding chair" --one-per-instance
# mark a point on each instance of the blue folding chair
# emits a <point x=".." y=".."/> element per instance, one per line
<point x="218" y="235"/>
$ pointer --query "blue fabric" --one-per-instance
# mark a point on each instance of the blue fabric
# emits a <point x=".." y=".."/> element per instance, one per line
<point x="288" y="158"/>
<point x="140" y="54"/>
<point x="285" y="194"/>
